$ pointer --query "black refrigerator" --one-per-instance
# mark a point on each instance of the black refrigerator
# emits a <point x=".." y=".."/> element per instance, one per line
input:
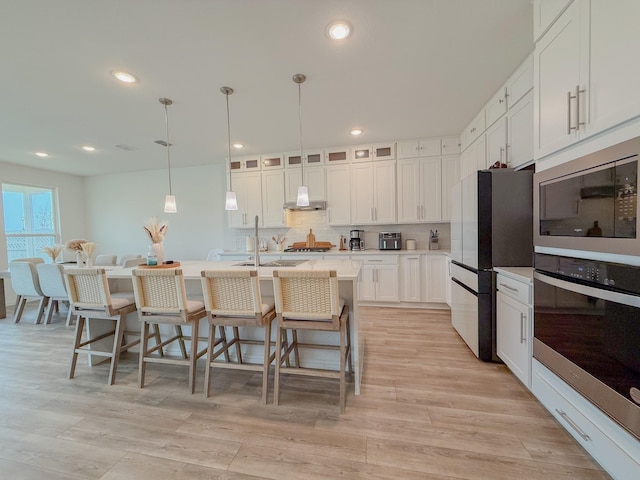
<point x="491" y="226"/>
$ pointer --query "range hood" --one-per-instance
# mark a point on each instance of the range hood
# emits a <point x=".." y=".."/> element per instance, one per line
<point x="314" y="205"/>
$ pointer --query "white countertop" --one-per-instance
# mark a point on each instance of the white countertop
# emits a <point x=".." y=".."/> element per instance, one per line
<point x="522" y="274"/>
<point x="337" y="252"/>
<point x="346" y="269"/>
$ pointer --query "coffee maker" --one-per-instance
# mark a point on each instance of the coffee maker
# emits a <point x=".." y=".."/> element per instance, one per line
<point x="357" y="240"/>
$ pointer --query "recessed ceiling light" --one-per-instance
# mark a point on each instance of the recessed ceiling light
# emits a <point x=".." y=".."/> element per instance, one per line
<point x="89" y="148"/>
<point x="339" y="30"/>
<point x="238" y="145"/>
<point x="356" y="131"/>
<point x="125" y="77"/>
<point x="42" y="154"/>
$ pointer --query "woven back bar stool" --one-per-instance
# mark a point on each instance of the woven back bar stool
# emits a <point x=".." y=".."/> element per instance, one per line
<point x="161" y="298"/>
<point x="232" y="299"/>
<point x="90" y="297"/>
<point x="309" y="300"/>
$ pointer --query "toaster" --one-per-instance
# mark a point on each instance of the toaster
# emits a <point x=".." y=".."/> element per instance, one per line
<point x="389" y="241"/>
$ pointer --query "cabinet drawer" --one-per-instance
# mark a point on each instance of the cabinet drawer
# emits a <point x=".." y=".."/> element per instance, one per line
<point x="513" y="288"/>
<point x="377" y="259"/>
<point x="612" y="448"/>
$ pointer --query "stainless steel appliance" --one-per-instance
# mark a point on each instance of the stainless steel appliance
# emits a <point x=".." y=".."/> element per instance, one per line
<point x="491" y="226"/>
<point x="587" y="331"/>
<point x="389" y="241"/>
<point x="356" y="241"/>
<point x="590" y="203"/>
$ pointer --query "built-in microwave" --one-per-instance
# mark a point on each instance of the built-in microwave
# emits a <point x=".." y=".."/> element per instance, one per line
<point x="590" y="203"/>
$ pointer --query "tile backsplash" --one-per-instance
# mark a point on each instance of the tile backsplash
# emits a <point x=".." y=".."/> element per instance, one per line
<point x="299" y="224"/>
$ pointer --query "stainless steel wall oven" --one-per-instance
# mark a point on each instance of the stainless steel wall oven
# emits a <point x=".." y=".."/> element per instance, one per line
<point x="587" y="331"/>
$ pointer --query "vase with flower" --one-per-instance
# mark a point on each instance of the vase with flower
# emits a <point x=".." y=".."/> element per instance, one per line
<point x="156" y="232"/>
<point x="75" y="245"/>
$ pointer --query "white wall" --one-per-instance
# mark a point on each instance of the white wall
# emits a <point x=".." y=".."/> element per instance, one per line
<point x="71" y="200"/>
<point x="119" y="205"/>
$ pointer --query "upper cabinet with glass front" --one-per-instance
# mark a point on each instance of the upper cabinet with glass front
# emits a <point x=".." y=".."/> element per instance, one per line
<point x="379" y="151"/>
<point x="273" y="161"/>
<point x="246" y="163"/>
<point x="338" y="155"/>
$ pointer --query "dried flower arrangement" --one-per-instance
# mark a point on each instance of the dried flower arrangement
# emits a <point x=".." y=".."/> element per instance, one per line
<point x="88" y="248"/>
<point x="155" y="230"/>
<point x="75" y="244"/>
<point x="53" y="252"/>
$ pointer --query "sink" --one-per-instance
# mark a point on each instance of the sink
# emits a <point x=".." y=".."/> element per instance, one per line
<point x="273" y="263"/>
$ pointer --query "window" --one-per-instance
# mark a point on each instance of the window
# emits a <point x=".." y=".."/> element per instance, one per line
<point x="30" y="221"/>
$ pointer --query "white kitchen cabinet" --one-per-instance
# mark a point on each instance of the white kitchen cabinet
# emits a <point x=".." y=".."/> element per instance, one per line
<point x="450" y="145"/>
<point x="520" y="82"/>
<point x="450" y="176"/>
<point x="312" y="158"/>
<point x="614" y="76"/>
<point x="473" y="130"/>
<point x="474" y="158"/>
<point x="545" y="12"/>
<point x="248" y="189"/>
<point x="520" y="132"/>
<point x="245" y="164"/>
<point x="338" y="188"/>
<point x="496" y="107"/>
<point x="378" y="280"/>
<point x="373" y="193"/>
<point x="380" y="151"/>
<point x="435" y="278"/>
<point x="419" y="190"/>
<point x="514" y="326"/>
<point x="426" y="147"/>
<point x="314" y="179"/>
<point x="561" y="65"/>
<point x="273" y="161"/>
<point x="411" y="278"/>
<point x="272" y="198"/>
<point x="334" y="156"/>
<point x="496" y="138"/>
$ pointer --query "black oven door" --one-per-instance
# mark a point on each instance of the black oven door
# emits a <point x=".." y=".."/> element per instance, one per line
<point x="590" y="337"/>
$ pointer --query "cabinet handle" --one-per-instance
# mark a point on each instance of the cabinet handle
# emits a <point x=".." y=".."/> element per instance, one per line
<point x="418" y="211"/>
<point x="578" y="92"/>
<point x="501" y="153"/>
<point x="375" y="214"/>
<point x="573" y="425"/>
<point x="569" y="127"/>
<point x="508" y="287"/>
<point x="522" y="321"/>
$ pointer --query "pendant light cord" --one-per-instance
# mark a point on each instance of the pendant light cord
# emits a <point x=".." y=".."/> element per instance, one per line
<point x="166" y="118"/>
<point x="300" y="122"/>
<point x="229" y="140"/>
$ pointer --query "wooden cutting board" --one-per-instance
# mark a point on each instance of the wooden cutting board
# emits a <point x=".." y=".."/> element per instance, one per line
<point x="163" y="265"/>
<point x="318" y="245"/>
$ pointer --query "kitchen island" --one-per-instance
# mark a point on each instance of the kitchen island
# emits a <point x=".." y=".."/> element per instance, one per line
<point x="347" y="272"/>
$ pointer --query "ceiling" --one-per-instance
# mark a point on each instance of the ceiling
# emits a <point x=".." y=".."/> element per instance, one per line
<point x="412" y="68"/>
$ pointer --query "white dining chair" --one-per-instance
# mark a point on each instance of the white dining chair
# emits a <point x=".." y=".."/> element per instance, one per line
<point x="133" y="262"/>
<point x="51" y="277"/>
<point x="105" y="260"/>
<point x="126" y="258"/>
<point x="25" y="284"/>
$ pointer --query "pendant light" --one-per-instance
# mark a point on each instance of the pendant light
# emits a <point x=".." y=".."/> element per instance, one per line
<point x="303" y="191"/>
<point x="170" y="200"/>
<point x="231" y="202"/>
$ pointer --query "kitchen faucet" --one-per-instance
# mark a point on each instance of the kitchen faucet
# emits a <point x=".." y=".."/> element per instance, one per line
<point x="257" y="247"/>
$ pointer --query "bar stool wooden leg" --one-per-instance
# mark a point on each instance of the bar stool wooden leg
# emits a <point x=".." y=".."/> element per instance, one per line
<point x="76" y="342"/>
<point x="142" y="365"/>
<point x="342" y="365"/>
<point x="276" y="376"/>
<point x="224" y="343"/>
<point x="115" y="352"/>
<point x="236" y="339"/>
<point x="193" y="356"/>
<point x="183" y="348"/>
<point x="267" y="360"/>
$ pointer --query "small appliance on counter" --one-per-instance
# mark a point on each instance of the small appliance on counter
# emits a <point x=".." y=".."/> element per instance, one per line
<point x="356" y="243"/>
<point x="389" y="241"/>
<point x="433" y="240"/>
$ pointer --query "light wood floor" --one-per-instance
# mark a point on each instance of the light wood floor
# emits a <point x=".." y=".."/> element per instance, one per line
<point x="428" y="410"/>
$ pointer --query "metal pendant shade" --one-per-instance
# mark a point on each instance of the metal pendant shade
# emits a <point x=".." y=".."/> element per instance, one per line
<point x="303" y="191"/>
<point x="231" y="202"/>
<point x="170" y="200"/>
